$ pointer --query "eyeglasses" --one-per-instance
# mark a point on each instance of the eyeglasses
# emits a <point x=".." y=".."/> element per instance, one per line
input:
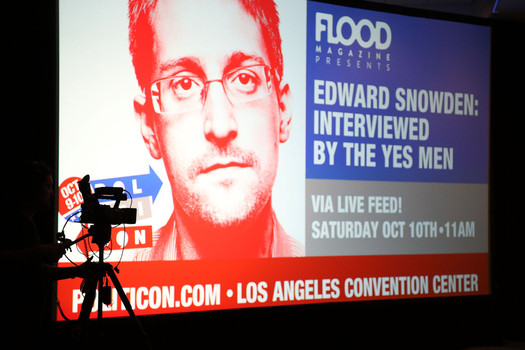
<point x="186" y="92"/>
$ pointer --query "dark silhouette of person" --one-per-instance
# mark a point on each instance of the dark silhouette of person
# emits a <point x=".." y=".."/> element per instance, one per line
<point x="27" y="265"/>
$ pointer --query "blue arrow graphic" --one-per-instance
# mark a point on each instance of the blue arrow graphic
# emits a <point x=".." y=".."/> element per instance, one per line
<point x="145" y="185"/>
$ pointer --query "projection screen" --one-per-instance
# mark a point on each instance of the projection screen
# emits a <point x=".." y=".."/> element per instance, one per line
<point x="315" y="154"/>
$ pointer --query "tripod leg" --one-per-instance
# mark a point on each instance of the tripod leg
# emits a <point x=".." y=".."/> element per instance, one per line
<point x="89" y="299"/>
<point x="87" y="306"/>
<point x="100" y="286"/>
<point x="125" y="300"/>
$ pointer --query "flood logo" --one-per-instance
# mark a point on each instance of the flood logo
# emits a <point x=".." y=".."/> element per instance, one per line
<point x="346" y="31"/>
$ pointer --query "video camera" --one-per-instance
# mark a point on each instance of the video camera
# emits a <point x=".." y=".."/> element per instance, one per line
<point x="103" y="216"/>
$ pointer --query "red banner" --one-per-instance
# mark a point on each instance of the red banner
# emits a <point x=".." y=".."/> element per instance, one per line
<point x="183" y="286"/>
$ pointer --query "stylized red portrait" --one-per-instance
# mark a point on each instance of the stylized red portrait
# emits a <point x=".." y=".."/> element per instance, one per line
<point x="214" y="108"/>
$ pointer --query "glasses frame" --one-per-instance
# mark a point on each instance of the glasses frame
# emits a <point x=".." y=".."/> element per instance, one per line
<point x="268" y="77"/>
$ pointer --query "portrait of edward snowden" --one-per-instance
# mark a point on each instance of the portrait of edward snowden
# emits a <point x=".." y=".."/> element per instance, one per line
<point x="214" y="108"/>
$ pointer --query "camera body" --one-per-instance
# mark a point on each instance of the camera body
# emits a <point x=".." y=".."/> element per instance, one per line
<point x="103" y="216"/>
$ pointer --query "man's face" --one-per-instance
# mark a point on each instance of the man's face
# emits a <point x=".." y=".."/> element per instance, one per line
<point x="44" y="194"/>
<point x="222" y="159"/>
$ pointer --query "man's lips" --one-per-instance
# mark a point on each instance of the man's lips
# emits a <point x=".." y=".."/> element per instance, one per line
<point x="223" y="165"/>
<point x="222" y="159"/>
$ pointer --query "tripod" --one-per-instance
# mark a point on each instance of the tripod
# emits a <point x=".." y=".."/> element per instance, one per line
<point x="101" y="234"/>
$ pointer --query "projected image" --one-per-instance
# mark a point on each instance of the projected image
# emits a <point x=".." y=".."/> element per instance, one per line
<point x="215" y="113"/>
<point x="276" y="152"/>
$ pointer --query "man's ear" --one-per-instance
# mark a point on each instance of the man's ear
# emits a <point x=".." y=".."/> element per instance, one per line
<point x="285" y="104"/>
<point x="147" y="127"/>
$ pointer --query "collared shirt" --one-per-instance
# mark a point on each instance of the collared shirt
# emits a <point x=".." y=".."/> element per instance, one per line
<point x="166" y="247"/>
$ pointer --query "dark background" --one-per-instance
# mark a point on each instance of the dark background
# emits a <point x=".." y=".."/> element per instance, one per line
<point x="30" y="96"/>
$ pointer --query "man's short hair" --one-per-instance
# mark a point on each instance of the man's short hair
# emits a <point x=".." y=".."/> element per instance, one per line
<point x="141" y="35"/>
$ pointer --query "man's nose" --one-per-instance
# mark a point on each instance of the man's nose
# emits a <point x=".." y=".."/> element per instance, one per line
<point x="220" y="125"/>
